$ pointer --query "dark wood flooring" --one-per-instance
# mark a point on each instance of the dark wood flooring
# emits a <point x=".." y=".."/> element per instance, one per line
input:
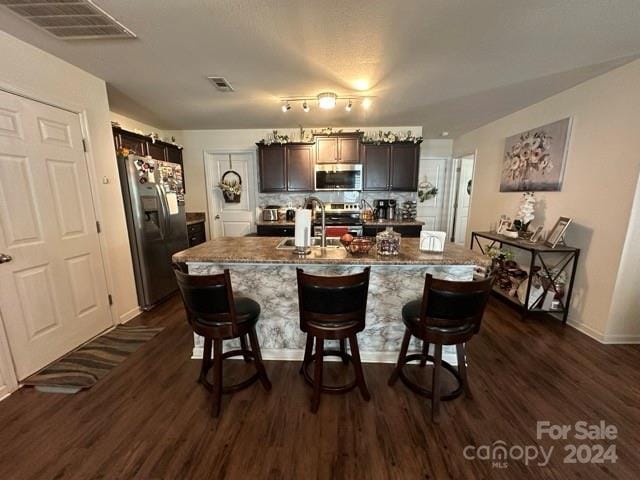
<point x="150" y="419"/>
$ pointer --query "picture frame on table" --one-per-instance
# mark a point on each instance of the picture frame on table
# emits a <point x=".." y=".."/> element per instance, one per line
<point x="503" y="226"/>
<point x="537" y="233"/>
<point x="556" y="234"/>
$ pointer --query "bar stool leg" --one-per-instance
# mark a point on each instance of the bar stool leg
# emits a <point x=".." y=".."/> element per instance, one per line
<point x="217" y="377"/>
<point x="435" y="399"/>
<point x="425" y="352"/>
<point x="462" y="370"/>
<point x="255" y="348"/>
<point x="206" y="361"/>
<point x="317" y="375"/>
<point x="343" y="351"/>
<point x="401" y="358"/>
<point x="308" y="350"/>
<point x="355" y="354"/>
<point x="243" y="346"/>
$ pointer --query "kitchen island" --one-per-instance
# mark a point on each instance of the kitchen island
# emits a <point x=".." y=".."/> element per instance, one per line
<point x="268" y="275"/>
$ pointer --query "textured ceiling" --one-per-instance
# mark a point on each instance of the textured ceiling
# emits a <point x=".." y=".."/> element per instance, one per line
<point x="444" y="64"/>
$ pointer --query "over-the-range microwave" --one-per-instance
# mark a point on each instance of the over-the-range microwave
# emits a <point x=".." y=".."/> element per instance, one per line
<point x="338" y="176"/>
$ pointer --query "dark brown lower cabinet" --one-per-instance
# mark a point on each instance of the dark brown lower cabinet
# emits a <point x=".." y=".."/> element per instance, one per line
<point x="409" y="231"/>
<point x="196" y="234"/>
<point x="276" y="230"/>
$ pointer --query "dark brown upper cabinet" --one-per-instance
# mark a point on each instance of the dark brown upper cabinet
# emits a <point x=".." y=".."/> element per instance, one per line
<point x="134" y="142"/>
<point x="156" y="150"/>
<point x="273" y="168"/>
<point x="405" y="160"/>
<point x="338" y="148"/>
<point x="391" y="167"/>
<point x="142" y="145"/>
<point x="300" y="169"/>
<point x="376" y="160"/>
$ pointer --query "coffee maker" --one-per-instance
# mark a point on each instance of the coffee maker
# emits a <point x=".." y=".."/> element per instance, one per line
<point x="385" y="209"/>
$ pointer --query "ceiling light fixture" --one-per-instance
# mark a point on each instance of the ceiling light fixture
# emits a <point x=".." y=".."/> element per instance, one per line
<point x="327" y="100"/>
<point x="445" y="134"/>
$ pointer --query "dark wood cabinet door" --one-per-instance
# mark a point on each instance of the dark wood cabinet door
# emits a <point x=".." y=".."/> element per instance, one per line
<point x="404" y="168"/>
<point x="273" y="171"/>
<point x="156" y="150"/>
<point x="133" y="142"/>
<point x="174" y="154"/>
<point x="299" y="168"/>
<point x="326" y="149"/>
<point x="349" y="149"/>
<point x="375" y="166"/>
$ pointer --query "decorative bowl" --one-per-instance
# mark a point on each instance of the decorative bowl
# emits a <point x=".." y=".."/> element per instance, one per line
<point x="359" y="245"/>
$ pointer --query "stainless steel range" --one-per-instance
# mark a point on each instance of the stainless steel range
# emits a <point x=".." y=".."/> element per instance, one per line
<point x="340" y="218"/>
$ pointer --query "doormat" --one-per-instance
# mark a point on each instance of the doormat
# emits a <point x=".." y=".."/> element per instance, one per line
<point x="83" y="367"/>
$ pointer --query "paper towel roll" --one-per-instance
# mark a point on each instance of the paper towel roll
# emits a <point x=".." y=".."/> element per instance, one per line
<point x="303" y="228"/>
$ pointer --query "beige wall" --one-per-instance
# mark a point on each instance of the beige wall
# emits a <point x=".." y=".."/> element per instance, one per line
<point x="599" y="186"/>
<point x="41" y="76"/>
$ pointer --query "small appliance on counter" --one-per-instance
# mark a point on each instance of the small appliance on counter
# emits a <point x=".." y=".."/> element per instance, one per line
<point x="270" y="213"/>
<point x="385" y="209"/>
<point x="290" y="215"/>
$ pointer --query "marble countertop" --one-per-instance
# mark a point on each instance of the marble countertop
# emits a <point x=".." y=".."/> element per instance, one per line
<point x="263" y="250"/>
<point x="195" y="217"/>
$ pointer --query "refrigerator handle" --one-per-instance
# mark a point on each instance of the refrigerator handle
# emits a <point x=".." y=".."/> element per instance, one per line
<point x="164" y="211"/>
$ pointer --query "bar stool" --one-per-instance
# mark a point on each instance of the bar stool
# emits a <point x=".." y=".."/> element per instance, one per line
<point x="214" y="313"/>
<point x="332" y="308"/>
<point x="449" y="313"/>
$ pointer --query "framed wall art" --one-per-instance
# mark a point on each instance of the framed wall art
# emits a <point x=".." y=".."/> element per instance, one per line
<point x="535" y="160"/>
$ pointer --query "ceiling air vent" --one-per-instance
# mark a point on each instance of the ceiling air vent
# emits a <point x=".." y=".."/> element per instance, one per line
<point x="221" y="84"/>
<point x="69" y="19"/>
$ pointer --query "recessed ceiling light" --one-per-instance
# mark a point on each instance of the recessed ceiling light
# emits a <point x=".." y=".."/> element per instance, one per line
<point x="366" y="103"/>
<point x="327" y="100"/>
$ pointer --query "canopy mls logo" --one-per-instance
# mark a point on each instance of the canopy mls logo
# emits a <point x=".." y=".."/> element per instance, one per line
<point x="499" y="454"/>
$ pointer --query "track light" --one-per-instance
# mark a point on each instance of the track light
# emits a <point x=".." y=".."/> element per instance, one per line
<point x="286" y="107"/>
<point x="366" y="103"/>
<point x="305" y="106"/>
<point x="348" y="107"/>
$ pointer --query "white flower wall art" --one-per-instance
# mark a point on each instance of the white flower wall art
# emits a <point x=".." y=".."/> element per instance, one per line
<point x="534" y="161"/>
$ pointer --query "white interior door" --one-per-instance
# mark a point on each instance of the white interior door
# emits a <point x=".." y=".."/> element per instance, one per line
<point x="231" y="219"/>
<point x="432" y="211"/>
<point x="463" y="199"/>
<point x="53" y="293"/>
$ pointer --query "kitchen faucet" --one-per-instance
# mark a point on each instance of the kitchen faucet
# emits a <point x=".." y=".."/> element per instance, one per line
<point x="312" y="199"/>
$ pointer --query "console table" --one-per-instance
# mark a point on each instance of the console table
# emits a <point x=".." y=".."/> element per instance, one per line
<point x="539" y="255"/>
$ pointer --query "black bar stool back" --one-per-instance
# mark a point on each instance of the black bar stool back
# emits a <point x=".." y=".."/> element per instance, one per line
<point x="332" y="308"/>
<point x="449" y="313"/>
<point x="215" y="314"/>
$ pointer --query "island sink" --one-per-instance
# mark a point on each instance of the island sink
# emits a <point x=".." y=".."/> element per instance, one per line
<point x="290" y="243"/>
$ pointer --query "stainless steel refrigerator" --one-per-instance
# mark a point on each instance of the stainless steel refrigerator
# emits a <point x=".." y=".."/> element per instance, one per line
<point x="153" y="193"/>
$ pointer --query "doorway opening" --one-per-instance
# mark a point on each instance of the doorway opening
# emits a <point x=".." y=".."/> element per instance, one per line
<point x="460" y="197"/>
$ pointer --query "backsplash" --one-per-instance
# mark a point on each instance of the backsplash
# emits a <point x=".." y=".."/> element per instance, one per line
<point x="297" y="199"/>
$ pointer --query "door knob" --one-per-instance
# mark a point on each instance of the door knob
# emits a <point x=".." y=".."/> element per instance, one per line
<point x="5" y="258"/>
<point x="217" y="217"/>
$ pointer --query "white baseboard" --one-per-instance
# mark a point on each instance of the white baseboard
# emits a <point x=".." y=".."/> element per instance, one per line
<point x="622" y="339"/>
<point x="366" y="357"/>
<point x="586" y="329"/>
<point x="130" y="315"/>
